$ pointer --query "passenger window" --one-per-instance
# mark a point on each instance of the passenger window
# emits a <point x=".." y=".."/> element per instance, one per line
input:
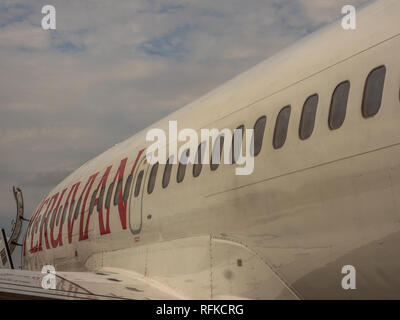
<point x="59" y="215"/>
<point x="117" y="192"/>
<point x="258" y="136"/>
<point x="71" y="210"/>
<point x="337" y="112"/>
<point x="236" y="147"/>
<point x="167" y="172"/>
<point x="37" y="225"/>
<point x="77" y="208"/>
<point x="64" y="214"/>
<point x="215" y="157"/>
<point x="127" y="188"/>
<point x="109" y="195"/>
<point x="51" y="219"/>
<point x="53" y="216"/>
<point x="199" y="159"/>
<point x="182" y="166"/>
<point x="92" y="201"/>
<point x="42" y="223"/>
<point x="373" y="90"/>
<point x="138" y="183"/>
<point x="101" y="197"/>
<point x="281" y="126"/>
<point x="308" y="117"/>
<point x="152" y="178"/>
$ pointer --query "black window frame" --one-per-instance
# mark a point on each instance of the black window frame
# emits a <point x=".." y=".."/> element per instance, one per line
<point x="338" y="108"/>
<point x="63" y="217"/>
<point x="233" y="155"/>
<point x="308" y="114"/>
<point x="101" y="198"/>
<point x="281" y="127"/>
<point x="138" y="183"/>
<point x="198" y="165"/>
<point x="92" y="201"/>
<point x="118" y="190"/>
<point x="109" y="195"/>
<point x="167" y="172"/>
<point x="127" y="188"/>
<point x="53" y="216"/>
<point x="372" y="96"/>
<point x="221" y="137"/>
<point x="78" y="208"/>
<point x="152" y="178"/>
<point x="258" y="135"/>
<point x="181" y="172"/>
<point x="71" y="211"/>
<point x="60" y="209"/>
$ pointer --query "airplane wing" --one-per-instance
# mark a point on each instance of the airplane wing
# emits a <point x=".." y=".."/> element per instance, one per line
<point x="105" y="284"/>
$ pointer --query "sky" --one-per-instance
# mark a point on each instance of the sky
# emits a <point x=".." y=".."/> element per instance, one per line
<point x="111" y="68"/>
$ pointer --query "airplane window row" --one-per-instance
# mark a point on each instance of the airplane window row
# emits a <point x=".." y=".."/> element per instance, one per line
<point x="371" y="103"/>
<point x="372" y="99"/>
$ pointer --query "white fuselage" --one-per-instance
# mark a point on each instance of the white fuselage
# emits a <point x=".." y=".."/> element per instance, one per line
<point x="285" y="231"/>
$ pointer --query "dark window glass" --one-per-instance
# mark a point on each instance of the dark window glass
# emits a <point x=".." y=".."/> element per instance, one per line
<point x="92" y="201"/>
<point x="215" y="158"/>
<point x="259" y="128"/>
<point x="127" y="188"/>
<point x="152" y="178"/>
<point x="138" y="183"/>
<point x="53" y="217"/>
<point x="37" y="225"/>
<point x="101" y="197"/>
<point x="71" y="210"/>
<point x="59" y="215"/>
<point x="308" y="117"/>
<point x="199" y="159"/>
<point x="281" y="127"/>
<point x="182" y="166"/>
<point x="235" y="150"/>
<point x="373" y="90"/>
<point x="337" y="112"/>
<point x="117" y="192"/>
<point x="77" y="208"/>
<point x="50" y="219"/>
<point x="109" y="195"/>
<point x="167" y="172"/>
<point x="64" y="214"/>
<point x="42" y="223"/>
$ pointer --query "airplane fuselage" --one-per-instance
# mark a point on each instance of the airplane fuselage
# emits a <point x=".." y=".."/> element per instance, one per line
<point x="318" y="199"/>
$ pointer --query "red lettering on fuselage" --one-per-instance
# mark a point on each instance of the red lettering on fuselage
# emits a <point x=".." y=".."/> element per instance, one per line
<point x="44" y="222"/>
<point x="35" y="222"/>
<point x="88" y="187"/>
<point x="71" y="219"/>
<point x="104" y="229"/>
<point x="53" y="203"/>
<point x="56" y="242"/>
